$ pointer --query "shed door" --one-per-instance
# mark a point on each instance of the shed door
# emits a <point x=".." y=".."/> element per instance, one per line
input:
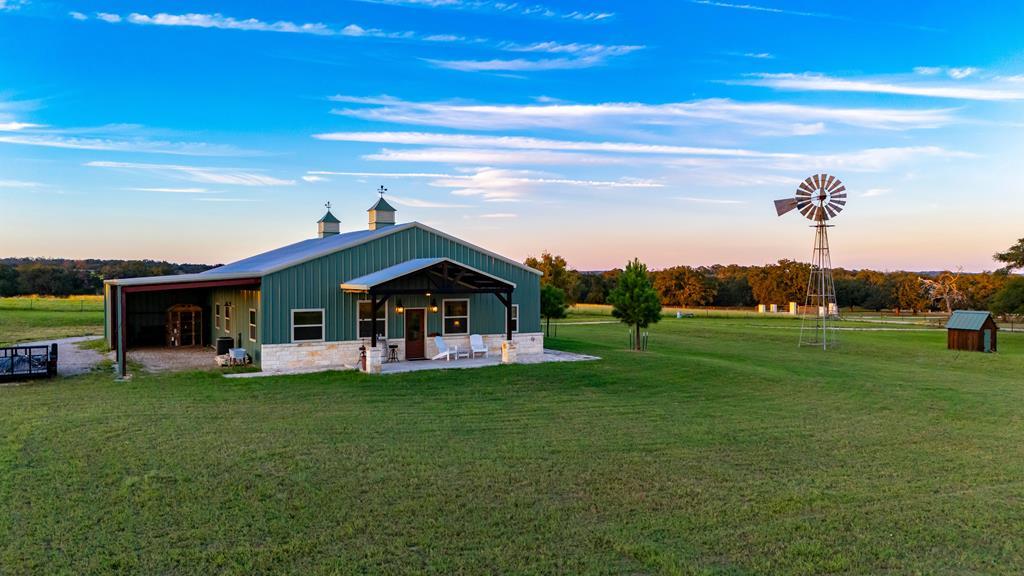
<point x="988" y="341"/>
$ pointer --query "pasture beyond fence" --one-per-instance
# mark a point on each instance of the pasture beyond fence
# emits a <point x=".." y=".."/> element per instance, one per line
<point x="51" y="304"/>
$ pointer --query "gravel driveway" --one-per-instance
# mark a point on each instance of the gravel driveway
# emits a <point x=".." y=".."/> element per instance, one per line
<point x="72" y="360"/>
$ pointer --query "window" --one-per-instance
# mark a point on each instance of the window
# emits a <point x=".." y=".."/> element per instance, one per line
<point x="456" y="316"/>
<point x="365" y="321"/>
<point x="227" y="318"/>
<point x="252" y="324"/>
<point x="515" y="318"/>
<point x="308" y="325"/>
<point x="216" y="316"/>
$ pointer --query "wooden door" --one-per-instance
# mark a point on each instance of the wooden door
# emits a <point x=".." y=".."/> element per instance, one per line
<point x="988" y="341"/>
<point x="415" y="333"/>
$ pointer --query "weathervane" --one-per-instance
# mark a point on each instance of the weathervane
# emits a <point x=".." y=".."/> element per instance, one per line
<point x="382" y="190"/>
<point x="328" y="205"/>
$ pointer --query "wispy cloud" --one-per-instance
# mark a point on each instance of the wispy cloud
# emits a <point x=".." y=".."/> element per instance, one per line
<point x="211" y="175"/>
<point x="767" y="9"/>
<point x="20" y="184"/>
<point x="696" y="200"/>
<point x="222" y="22"/>
<point x="875" y="192"/>
<point x="487" y="157"/>
<point x="528" y="143"/>
<point x="497" y="215"/>
<point x="63" y="138"/>
<point x="228" y="200"/>
<point x="574" y="55"/>
<point x="503" y="7"/>
<point x="503" y="185"/>
<point x="955" y="73"/>
<point x="771" y="117"/>
<point x="419" y="203"/>
<point x="15" y="126"/>
<point x="175" y="190"/>
<point x="906" y="87"/>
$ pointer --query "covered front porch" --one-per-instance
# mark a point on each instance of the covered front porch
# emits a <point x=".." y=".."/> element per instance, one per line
<point x="440" y="306"/>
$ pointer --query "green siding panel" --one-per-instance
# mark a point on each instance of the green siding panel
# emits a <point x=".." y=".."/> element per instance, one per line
<point x="315" y="284"/>
<point x="241" y="302"/>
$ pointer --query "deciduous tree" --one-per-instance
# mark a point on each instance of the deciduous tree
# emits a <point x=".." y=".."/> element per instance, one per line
<point x="552" y="304"/>
<point x="556" y="273"/>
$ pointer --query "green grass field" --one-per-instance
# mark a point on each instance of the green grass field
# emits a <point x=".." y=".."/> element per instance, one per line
<point x="725" y="449"/>
<point x="29" y="319"/>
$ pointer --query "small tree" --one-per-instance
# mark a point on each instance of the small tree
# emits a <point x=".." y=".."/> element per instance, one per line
<point x="552" y="304"/>
<point x="634" y="300"/>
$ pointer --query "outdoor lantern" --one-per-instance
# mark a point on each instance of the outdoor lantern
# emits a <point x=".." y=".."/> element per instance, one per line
<point x="399" y="309"/>
<point x="433" y="305"/>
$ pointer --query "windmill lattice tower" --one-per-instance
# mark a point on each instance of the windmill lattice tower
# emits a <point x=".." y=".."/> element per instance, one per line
<point x="820" y="198"/>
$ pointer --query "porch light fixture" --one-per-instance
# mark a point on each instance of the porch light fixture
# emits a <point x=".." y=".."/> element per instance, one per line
<point x="399" y="309"/>
<point x="433" y="306"/>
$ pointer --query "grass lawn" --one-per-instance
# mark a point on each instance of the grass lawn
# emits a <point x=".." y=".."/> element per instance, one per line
<point x="30" y="325"/>
<point x="723" y="450"/>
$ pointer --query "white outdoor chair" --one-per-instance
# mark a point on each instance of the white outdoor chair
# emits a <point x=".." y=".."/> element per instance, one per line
<point x="477" y="346"/>
<point x="443" y="350"/>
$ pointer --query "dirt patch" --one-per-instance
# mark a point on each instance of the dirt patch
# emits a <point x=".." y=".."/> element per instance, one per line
<point x="173" y="359"/>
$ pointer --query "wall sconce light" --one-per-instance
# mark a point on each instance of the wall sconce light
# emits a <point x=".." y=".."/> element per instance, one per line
<point x="399" y="309"/>
<point x="433" y="306"/>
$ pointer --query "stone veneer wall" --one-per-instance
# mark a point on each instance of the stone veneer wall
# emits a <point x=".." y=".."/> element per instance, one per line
<point x="306" y="355"/>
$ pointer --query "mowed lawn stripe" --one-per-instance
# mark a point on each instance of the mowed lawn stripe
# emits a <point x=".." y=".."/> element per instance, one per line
<point x="724" y="449"/>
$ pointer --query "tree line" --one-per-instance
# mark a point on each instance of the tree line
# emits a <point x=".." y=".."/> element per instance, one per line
<point x="64" y="277"/>
<point x="734" y="286"/>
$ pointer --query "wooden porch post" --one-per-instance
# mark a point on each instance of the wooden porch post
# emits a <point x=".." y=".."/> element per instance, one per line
<point x="375" y="307"/>
<point x="122" y="336"/>
<point x="506" y="299"/>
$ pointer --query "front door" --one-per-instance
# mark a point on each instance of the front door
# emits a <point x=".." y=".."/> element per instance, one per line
<point x="988" y="340"/>
<point x="415" y="333"/>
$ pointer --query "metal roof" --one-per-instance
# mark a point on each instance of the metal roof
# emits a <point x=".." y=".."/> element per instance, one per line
<point x="968" y="320"/>
<point x="304" y="251"/>
<point x="381" y="204"/>
<point x="368" y="281"/>
<point x="329" y="218"/>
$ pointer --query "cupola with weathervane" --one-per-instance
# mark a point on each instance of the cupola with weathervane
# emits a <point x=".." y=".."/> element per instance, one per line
<point x="381" y="213"/>
<point x="328" y="225"/>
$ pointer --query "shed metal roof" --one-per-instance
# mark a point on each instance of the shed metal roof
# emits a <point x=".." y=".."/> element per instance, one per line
<point x="368" y="281"/>
<point x="299" y="252"/>
<point x="968" y="320"/>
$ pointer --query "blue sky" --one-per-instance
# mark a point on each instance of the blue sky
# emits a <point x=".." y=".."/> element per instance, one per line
<point x="208" y="131"/>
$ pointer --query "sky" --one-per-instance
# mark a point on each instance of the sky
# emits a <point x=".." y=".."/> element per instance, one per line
<point x="199" y="131"/>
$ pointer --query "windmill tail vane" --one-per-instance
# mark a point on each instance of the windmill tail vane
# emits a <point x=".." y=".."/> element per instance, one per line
<point x="819" y="198"/>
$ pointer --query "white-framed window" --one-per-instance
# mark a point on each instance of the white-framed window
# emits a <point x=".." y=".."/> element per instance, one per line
<point x="252" y="324"/>
<point x="216" y="316"/>
<point x="515" y="318"/>
<point x="455" y="316"/>
<point x="227" y="318"/>
<point x="364" y="319"/>
<point x="308" y="325"/>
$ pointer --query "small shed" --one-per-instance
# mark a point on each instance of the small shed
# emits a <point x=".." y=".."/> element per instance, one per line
<point x="185" y="325"/>
<point x="974" y="331"/>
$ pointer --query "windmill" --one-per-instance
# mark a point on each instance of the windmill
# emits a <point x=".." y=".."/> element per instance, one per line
<point x="820" y="198"/>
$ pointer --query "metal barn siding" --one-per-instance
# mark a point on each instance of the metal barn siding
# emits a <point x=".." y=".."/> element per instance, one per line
<point x="316" y="284"/>
<point x="241" y="302"/>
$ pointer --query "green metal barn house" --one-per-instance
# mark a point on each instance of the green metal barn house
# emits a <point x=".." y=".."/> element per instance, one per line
<point x="390" y="292"/>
